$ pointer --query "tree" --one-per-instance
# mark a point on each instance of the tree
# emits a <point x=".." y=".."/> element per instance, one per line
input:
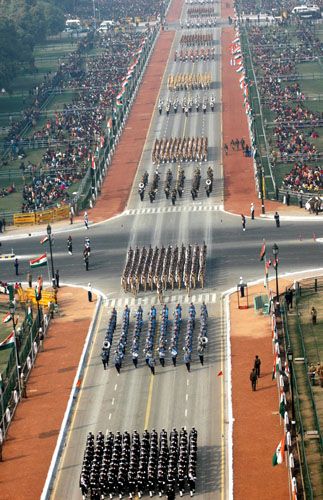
<point x="13" y="52"/>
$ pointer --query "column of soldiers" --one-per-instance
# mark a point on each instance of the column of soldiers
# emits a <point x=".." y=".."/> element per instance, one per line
<point x="189" y="81"/>
<point x="180" y="149"/>
<point x="121" y="346"/>
<point x="136" y="336"/>
<point x="202" y="340"/>
<point x="188" y="104"/>
<point x="200" y="12"/>
<point x="199" y="39"/>
<point x="106" y="348"/>
<point x="162" y="267"/>
<point x="195" y="55"/>
<point x="121" y="464"/>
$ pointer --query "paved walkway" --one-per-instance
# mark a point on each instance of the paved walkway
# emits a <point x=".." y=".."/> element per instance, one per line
<point x="256" y="429"/>
<point x="33" y="433"/>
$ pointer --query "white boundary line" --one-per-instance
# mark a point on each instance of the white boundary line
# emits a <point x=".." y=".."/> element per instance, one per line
<point x="71" y="402"/>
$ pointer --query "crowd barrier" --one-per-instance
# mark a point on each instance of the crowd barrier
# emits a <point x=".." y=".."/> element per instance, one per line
<point x="42" y="217"/>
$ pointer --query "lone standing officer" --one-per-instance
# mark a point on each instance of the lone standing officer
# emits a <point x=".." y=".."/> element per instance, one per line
<point x="16" y="264"/>
<point x="89" y="292"/>
<point x="277" y="219"/>
<point x="257" y="364"/>
<point x="253" y="379"/>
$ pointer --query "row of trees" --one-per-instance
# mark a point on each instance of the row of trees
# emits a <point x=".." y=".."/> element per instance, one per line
<point x="23" y="24"/>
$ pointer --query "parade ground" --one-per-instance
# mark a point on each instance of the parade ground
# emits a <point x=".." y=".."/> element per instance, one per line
<point x="181" y="268"/>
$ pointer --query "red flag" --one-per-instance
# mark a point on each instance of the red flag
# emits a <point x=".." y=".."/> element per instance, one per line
<point x="275" y="263"/>
<point x="220" y="373"/>
<point x="263" y="251"/>
<point x="268" y="264"/>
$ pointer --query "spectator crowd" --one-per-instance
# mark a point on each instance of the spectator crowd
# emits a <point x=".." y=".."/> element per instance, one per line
<point x="73" y="135"/>
<point x="293" y="127"/>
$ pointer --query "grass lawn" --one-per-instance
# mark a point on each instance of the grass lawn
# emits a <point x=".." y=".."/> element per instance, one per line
<point x="308" y="68"/>
<point x="312" y="87"/>
<point x="314" y="105"/>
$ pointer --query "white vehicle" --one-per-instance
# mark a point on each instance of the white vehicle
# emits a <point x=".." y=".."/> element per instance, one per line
<point x="105" y="25"/>
<point x="73" y="25"/>
<point x="307" y="11"/>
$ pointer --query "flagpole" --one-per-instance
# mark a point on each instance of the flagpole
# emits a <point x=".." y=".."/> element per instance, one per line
<point x="17" y="360"/>
<point x="49" y="280"/>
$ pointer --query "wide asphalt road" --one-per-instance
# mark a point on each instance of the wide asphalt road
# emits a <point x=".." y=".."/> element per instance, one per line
<point x="173" y="398"/>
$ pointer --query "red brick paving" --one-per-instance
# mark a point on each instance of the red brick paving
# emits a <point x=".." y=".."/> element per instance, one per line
<point x="239" y="182"/>
<point x="122" y="171"/>
<point x="175" y="11"/>
<point x="256" y="429"/>
<point x="32" y="436"/>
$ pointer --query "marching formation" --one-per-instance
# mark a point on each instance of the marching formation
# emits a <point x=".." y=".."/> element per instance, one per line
<point x="149" y="349"/>
<point x="189" y="81"/>
<point x="198" y="39"/>
<point x="160" y="268"/>
<point x="200" y="12"/>
<point x="195" y="55"/>
<point x="187" y="104"/>
<point x="180" y="149"/>
<point x="122" y="464"/>
<point x="199" y="22"/>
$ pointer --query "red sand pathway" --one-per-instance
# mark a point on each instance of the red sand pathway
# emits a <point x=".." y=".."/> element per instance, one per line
<point x="33" y="433"/>
<point x="256" y="429"/>
<point x="121" y="173"/>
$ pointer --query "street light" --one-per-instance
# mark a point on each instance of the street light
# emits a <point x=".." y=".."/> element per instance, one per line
<point x="290" y="364"/>
<point x="275" y="254"/>
<point x="49" y="233"/>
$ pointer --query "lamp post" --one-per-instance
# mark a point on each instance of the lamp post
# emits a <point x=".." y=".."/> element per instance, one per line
<point x="275" y="254"/>
<point x="290" y="364"/>
<point x="49" y="233"/>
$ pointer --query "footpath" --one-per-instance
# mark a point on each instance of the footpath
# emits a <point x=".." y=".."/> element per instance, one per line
<point x="256" y="429"/>
<point x="32" y="436"/>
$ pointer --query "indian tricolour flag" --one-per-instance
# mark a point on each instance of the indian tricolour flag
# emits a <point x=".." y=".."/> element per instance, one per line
<point x="40" y="261"/>
<point x="279" y="454"/>
<point x="7" y="318"/>
<point x="8" y="341"/>
<point x="44" y="240"/>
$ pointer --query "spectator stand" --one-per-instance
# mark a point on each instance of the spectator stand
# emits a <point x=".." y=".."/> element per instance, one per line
<point x="299" y="344"/>
<point x="28" y="340"/>
<point x="258" y="92"/>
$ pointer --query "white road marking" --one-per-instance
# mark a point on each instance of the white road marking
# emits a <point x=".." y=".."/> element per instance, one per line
<point x="152" y="299"/>
<point x="197" y="207"/>
<point x="112" y="402"/>
<point x="186" y="397"/>
<point x="115" y="387"/>
<point x="188" y="382"/>
<point x="110" y="415"/>
<point x="185" y="412"/>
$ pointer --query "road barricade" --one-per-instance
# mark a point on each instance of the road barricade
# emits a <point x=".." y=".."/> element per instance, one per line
<point x="23" y="219"/>
<point x="42" y="217"/>
<point x="28" y="295"/>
